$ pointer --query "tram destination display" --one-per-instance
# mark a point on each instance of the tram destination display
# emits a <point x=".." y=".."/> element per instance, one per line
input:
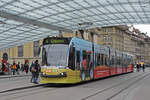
<point x="56" y="41"/>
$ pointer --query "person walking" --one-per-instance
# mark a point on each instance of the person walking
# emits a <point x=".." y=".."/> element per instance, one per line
<point x="36" y="71"/>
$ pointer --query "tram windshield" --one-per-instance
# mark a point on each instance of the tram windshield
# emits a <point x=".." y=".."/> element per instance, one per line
<point x="55" y="55"/>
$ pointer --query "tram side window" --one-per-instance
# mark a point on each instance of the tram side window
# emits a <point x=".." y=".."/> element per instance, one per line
<point x="89" y="60"/>
<point x="105" y="60"/>
<point x="84" y="55"/>
<point x="84" y="60"/>
<point x="110" y="61"/>
<point x="98" y="59"/>
<point x="95" y="59"/>
<point x="102" y="61"/>
<point x="119" y="61"/>
<point x="113" y="61"/>
<point x="128" y="61"/>
<point x="71" y="62"/>
<point x="123" y="61"/>
<point x="78" y="60"/>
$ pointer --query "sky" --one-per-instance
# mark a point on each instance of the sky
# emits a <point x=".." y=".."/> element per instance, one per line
<point x="143" y="28"/>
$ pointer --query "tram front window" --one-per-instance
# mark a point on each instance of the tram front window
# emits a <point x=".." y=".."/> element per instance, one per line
<point x="55" y="55"/>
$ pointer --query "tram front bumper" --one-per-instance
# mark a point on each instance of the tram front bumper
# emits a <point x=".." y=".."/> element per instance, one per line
<point x="62" y="74"/>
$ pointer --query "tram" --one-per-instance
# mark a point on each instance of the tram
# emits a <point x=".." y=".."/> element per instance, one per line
<point x="74" y="60"/>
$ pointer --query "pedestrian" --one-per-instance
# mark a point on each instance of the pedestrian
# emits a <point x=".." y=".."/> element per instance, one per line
<point x="143" y="67"/>
<point x="26" y="67"/>
<point x="22" y="67"/>
<point x="36" y="71"/>
<point x="9" y="68"/>
<point x="32" y="71"/>
<point x="4" y="62"/>
<point x="14" y="68"/>
<point x="138" y="67"/>
<point x="18" y="68"/>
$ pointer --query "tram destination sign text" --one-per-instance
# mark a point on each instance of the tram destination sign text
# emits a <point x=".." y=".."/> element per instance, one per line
<point x="56" y="41"/>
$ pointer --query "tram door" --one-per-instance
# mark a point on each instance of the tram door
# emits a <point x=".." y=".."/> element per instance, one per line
<point x="78" y="59"/>
<point x="71" y="62"/>
<point x="78" y="64"/>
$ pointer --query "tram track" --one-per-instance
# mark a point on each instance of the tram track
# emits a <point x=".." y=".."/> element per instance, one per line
<point x="48" y="89"/>
<point x="100" y="91"/>
<point x="127" y="87"/>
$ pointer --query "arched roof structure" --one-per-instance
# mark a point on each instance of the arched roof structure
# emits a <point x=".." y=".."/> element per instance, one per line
<point x="23" y="21"/>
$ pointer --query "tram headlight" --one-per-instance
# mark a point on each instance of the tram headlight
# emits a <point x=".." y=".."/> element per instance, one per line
<point x="43" y="73"/>
<point x="63" y="74"/>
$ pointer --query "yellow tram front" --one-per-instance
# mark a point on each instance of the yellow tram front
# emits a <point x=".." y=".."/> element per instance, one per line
<point x="54" y="67"/>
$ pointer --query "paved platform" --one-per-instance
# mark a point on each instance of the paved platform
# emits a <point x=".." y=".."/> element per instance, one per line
<point x="132" y="86"/>
<point x="14" y="83"/>
<point x="21" y="74"/>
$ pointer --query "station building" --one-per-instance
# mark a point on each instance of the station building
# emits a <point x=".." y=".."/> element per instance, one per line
<point x="120" y="37"/>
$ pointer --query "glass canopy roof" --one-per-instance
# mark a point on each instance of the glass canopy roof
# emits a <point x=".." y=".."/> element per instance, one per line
<point x="23" y="21"/>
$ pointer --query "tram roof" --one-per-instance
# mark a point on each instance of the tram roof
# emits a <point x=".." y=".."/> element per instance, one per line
<point x="23" y="21"/>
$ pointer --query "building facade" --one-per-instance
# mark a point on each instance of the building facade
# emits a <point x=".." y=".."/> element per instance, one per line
<point x="28" y="51"/>
<point x="126" y="40"/>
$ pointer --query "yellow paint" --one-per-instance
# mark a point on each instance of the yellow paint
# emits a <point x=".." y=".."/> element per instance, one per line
<point x="72" y="76"/>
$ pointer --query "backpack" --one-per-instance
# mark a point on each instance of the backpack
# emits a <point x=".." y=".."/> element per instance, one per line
<point x="14" y="67"/>
<point x="33" y="69"/>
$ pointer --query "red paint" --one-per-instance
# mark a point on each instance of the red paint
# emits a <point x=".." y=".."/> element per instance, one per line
<point x="124" y="69"/>
<point x="112" y="71"/>
<point x="119" y="70"/>
<point x="101" y="71"/>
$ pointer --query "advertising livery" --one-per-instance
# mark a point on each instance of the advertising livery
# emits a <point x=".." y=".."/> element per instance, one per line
<point x="73" y="60"/>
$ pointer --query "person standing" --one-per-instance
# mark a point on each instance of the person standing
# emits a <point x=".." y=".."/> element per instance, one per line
<point x="26" y="67"/>
<point x="18" y="68"/>
<point x="138" y="67"/>
<point x="143" y="67"/>
<point x="14" y="68"/>
<point x="22" y="67"/>
<point x="4" y="62"/>
<point x="32" y="71"/>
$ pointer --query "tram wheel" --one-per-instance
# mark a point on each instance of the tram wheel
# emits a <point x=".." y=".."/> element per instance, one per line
<point x="91" y="74"/>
